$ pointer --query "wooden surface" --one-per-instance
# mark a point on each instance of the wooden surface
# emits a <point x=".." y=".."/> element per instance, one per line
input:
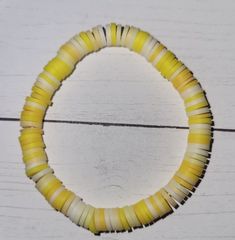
<point x="117" y="164"/>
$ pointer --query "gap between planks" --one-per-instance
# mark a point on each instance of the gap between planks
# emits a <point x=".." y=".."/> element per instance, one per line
<point x="107" y="124"/>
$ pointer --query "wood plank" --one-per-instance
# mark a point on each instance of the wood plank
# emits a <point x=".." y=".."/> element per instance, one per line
<point x="105" y="165"/>
<point x="115" y="85"/>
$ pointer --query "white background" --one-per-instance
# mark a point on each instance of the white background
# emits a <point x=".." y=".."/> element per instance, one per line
<point x="115" y="165"/>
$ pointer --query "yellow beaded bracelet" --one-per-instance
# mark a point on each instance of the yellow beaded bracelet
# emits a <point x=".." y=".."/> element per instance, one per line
<point x="186" y="178"/>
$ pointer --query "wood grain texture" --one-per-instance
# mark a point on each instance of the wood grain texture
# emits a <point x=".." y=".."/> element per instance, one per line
<point x="105" y="165"/>
<point x="113" y="165"/>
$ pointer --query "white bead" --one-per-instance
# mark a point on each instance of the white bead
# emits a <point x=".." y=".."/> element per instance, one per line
<point x="195" y="102"/>
<point x="40" y="174"/>
<point x="78" y="211"/>
<point x="53" y="78"/>
<point x="107" y="219"/>
<point x="45" y="85"/>
<point x="89" y="217"/>
<point x="197" y="157"/>
<point x="102" y="35"/>
<point x="186" y="178"/>
<point x="108" y="35"/>
<point x="97" y="36"/>
<point x="178" y="198"/>
<point x="148" y="48"/>
<point x="159" y="56"/>
<point x="114" y="219"/>
<point x="159" y="204"/>
<point x="205" y="147"/>
<point x="171" y="201"/>
<point x="84" y="215"/>
<point x="36" y="105"/>
<point x="131" y="37"/>
<point x="149" y="43"/>
<point x="184" y="190"/>
<point x="191" y="148"/>
<point x="56" y="193"/>
<point x="118" y="38"/>
<point x="65" y="57"/>
<point x="131" y="217"/>
<point x="198" y="111"/>
<point x="191" y="91"/>
<point x="124" y="35"/>
<point x="35" y="164"/>
<point x="80" y="45"/>
<point x="75" y="210"/>
<point x="151" y="208"/>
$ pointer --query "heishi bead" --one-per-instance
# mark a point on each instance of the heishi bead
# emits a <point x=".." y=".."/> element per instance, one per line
<point x="142" y="212"/>
<point x="162" y="203"/>
<point x="93" y="40"/>
<point x="118" y="35"/>
<point x="107" y="217"/>
<point x="89" y="219"/>
<point x="139" y="41"/>
<point x="72" y="207"/>
<point x="67" y="203"/>
<point x="155" y="52"/>
<point x="113" y="33"/>
<point x="115" y="220"/>
<point x="171" y="201"/>
<point x="99" y="220"/>
<point x="42" y="173"/>
<point x="123" y="219"/>
<point x="124" y="34"/>
<point x="131" y="217"/>
<point x="80" y="46"/>
<point x="108" y="35"/>
<point x="130" y="37"/>
<point x="102" y="35"/>
<point x="97" y="37"/>
<point x="77" y="212"/>
<point x="148" y="46"/>
<point x="59" y="200"/>
<point x="70" y="50"/>
<point x="85" y="47"/>
<point x="84" y="215"/>
<point x="151" y="208"/>
<point x="88" y="43"/>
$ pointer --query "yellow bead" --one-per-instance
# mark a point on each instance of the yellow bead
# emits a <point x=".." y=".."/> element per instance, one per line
<point x="99" y="219"/>
<point x="139" y="41"/>
<point x="60" y="200"/>
<point x="168" y="56"/>
<point x="123" y="219"/>
<point x="177" y="66"/>
<point x="113" y="30"/>
<point x="35" y="170"/>
<point x="58" y="68"/>
<point x="91" y="224"/>
<point x="142" y="212"/>
<point x="87" y="41"/>
<point x="199" y="138"/>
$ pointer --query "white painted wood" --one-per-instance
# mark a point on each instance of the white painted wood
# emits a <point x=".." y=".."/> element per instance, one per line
<point x="110" y="166"/>
<point x="116" y="85"/>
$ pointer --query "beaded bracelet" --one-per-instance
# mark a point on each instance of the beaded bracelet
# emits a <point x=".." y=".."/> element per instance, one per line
<point x="195" y="159"/>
